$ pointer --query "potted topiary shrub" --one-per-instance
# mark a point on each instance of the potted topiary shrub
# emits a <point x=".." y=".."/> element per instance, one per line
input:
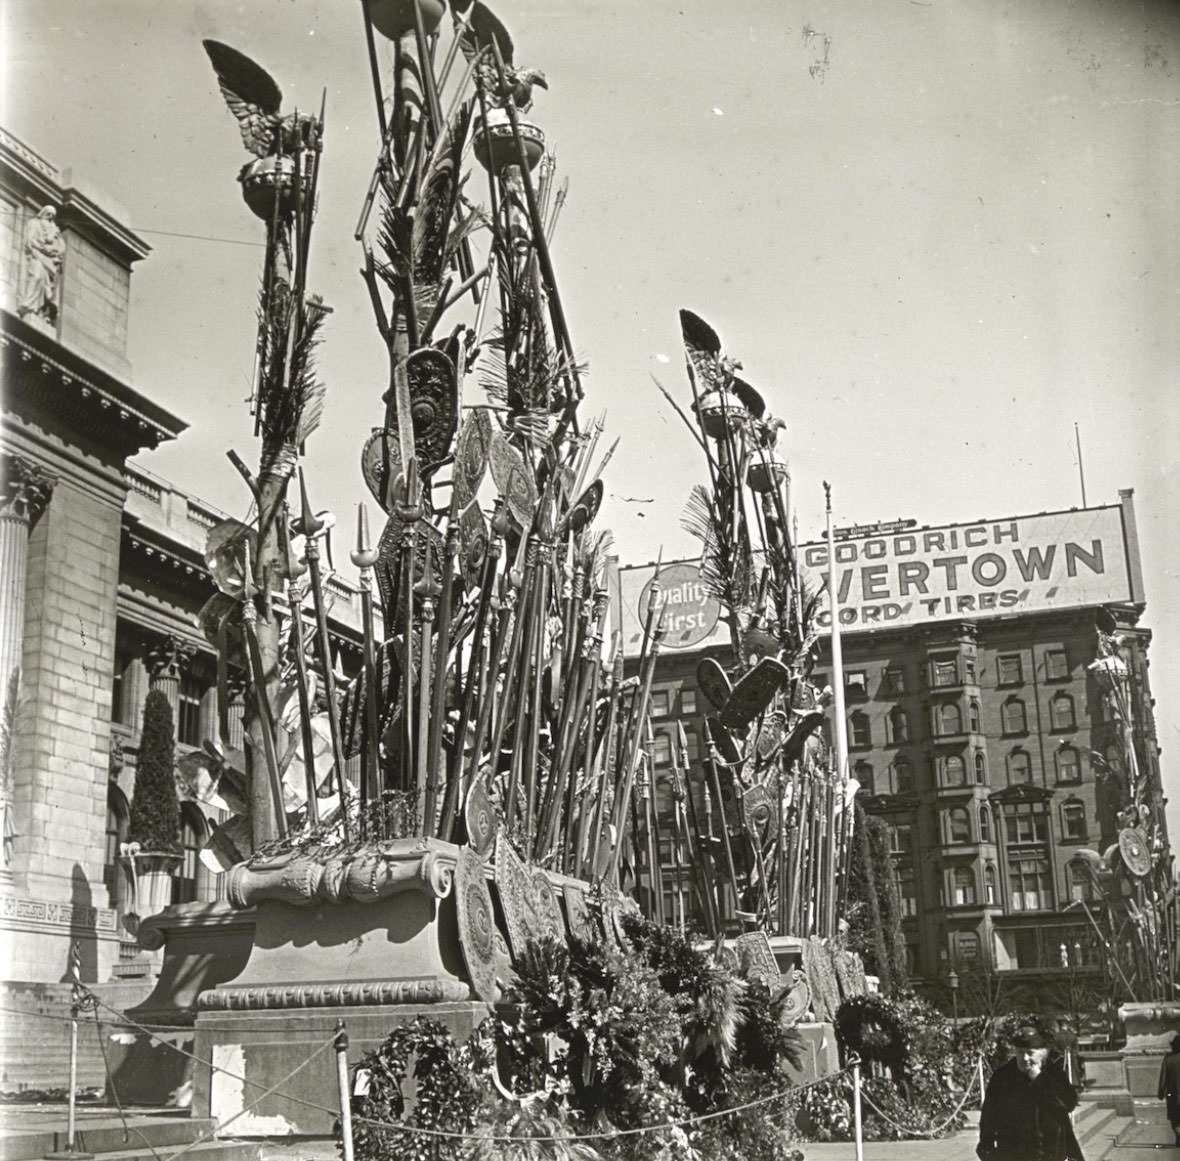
<point x="153" y="830"/>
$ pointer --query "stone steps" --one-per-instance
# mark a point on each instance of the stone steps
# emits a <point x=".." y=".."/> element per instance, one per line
<point x="28" y="1135"/>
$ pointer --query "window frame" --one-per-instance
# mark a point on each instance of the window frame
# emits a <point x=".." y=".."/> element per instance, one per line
<point x="1053" y="655"/>
<point x="1007" y="727"/>
<point x="1004" y="680"/>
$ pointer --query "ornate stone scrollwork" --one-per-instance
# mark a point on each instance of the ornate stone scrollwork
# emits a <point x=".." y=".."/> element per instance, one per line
<point x="26" y="489"/>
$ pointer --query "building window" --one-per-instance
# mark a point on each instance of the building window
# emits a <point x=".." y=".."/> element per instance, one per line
<point x="958" y="825"/>
<point x="1081" y="883"/>
<point x="985" y="823"/>
<point x="899" y="725"/>
<point x="963" y="887"/>
<point x="1056" y="664"/>
<point x="969" y="670"/>
<point x="661" y="749"/>
<point x="901" y="838"/>
<point x="1069" y="769"/>
<point x="863" y="773"/>
<point x="894" y="679"/>
<point x="944" y="671"/>
<point x="1008" y="669"/>
<point x="974" y="717"/>
<point x="1014" y="719"/>
<point x="659" y="703"/>
<point x="906" y="891"/>
<point x="693" y="745"/>
<point x="688" y="701"/>
<point x="903" y="776"/>
<point x="1073" y="821"/>
<point x="1019" y="768"/>
<point x="980" y="768"/>
<point x="1029" y="888"/>
<point x="113" y="872"/>
<point x="188" y="712"/>
<point x="856" y="683"/>
<point x="954" y="771"/>
<point x="990" y="891"/>
<point x="122" y="711"/>
<point x="859" y="731"/>
<point x="191" y="881"/>
<point x="948" y="720"/>
<point x="1061" y="712"/>
<point x="1022" y="824"/>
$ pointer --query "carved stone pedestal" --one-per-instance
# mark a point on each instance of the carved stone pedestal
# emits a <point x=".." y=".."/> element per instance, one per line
<point x="1150" y="1028"/>
<point x="372" y="940"/>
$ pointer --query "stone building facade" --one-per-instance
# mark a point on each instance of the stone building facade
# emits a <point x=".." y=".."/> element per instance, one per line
<point x="975" y="727"/>
<point x="103" y="575"/>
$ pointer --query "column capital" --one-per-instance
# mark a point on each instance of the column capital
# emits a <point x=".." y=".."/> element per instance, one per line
<point x="25" y="488"/>
<point x="167" y="657"/>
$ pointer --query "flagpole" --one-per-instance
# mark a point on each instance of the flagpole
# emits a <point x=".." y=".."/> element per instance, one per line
<point x="841" y="723"/>
<point x="78" y="998"/>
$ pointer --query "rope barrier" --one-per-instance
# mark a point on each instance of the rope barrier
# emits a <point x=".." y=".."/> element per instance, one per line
<point x="938" y="1130"/>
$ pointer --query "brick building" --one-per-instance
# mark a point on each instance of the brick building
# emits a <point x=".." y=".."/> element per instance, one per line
<point x="103" y="576"/>
<point x="974" y="725"/>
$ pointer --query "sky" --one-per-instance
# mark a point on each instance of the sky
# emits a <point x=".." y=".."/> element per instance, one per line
<point x="937" y="235"/>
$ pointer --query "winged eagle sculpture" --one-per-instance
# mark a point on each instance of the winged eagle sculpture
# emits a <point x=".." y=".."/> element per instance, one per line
<point x="254" y="99"/>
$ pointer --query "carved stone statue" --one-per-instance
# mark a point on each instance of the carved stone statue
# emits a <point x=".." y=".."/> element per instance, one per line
<point x="44" y="250"/>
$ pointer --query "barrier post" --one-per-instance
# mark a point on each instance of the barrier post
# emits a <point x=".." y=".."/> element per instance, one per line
<point x="982" y="1081"/>
<point x="345" y="1094"/>
<point x="71" y="1152"/>
<point x="860" y="1147"/>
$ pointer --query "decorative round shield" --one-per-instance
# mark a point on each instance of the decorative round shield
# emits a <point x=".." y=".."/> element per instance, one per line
<point x="480" y="816"/>
<point x="381" y="464"/>
<point x="548" y="910"/>
<point x="477" y="925"/>
<point x="434" y="402"/>
<point x="798" y="1000"/>
<point x="723" y="741"/>
<point x="770" y="736"/>
<point x="757" y="809"/>
<point x="577" y="915"/>
<point x="513" y="479"/>
<point x="1136" y="853"/>
<point x="474" y="538"/>
<point x="714" y="682"/>
<point x="471" y="455"/>
<point x="515" y="888"/>
<point x="584" y="509"/>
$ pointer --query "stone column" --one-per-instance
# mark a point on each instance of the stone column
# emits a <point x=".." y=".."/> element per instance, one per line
<point x="237" y="685"/>
<point x="25" y="492"/>
<point x="166" y="660"/>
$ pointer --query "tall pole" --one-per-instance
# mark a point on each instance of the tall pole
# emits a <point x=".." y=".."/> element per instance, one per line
<point x="841" y="732"/>
<point x="1081" y="470"/>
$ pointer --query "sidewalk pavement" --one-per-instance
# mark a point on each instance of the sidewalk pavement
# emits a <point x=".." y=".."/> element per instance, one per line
<point x="960" y="1147"/>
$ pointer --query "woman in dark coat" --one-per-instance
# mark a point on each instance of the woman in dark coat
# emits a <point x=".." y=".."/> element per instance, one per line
<point x="1026" y="1109"/>
<point x="1170" y="1086"/>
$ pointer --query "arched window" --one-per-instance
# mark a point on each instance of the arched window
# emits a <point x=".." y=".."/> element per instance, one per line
<point x="1015" y="721"/>
<point x="1061" y="712"/>
<point x="948" y="719"/>
<point x="1073" y="820"/>
<point x="963" y="887"/>
<point x="1019" y="767"/>
<point x="980" y="768"/>
<point x="859" y="731"/>
<point x="974" y="716"/>
<point x="899" y="725"/>
<point x="1069" y="769"/>
<point x="990" y="890"/>
<point x="114" y="874"/>
<point x="958" y="825"/>
<point x="863" y="773"/>
<point x="985" y="823"/>
<point x="954" y="772"/>
<point x="903" y="776"/>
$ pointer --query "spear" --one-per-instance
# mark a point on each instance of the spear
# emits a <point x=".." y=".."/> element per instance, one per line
<point x="601" y="760"/>
<point x="710" y="765"/>
<point x="651" y="826"/>
<point x="434" y="749"/>
<point x="310" y="525"/>
<point x="364" y="557"/>
<point x="428" y="589"/>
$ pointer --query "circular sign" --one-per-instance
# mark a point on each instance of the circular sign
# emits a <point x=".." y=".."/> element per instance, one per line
<point x="691" y="612"/>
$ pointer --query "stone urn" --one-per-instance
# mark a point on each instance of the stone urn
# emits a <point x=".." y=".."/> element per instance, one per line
<point x="151" y="877"/>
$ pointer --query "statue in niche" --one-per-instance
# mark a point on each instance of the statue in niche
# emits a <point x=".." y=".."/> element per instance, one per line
<point x="44" y="249"/>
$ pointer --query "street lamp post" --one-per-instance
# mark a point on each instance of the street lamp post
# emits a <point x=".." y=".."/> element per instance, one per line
<point x="953" y="981"/>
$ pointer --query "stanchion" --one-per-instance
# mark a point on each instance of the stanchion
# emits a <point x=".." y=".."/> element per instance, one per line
<point x="860" y="1146"/>
<point x="345" y="1094"/>
<point x="982" y="1081"/>
<point x="71" y="1152"/>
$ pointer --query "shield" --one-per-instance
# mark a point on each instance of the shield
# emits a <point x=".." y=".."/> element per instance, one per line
<point x="477" y="925"/>
<point x="471" y="456"/>
<point x="584" y="509"/>
<point x="1136" y="852"/>
<point x="757" y="810"/>
<point x="714" y="682"/>
<point x="381" y="465"/>
<point x="434" y="403"/>
<point x="723" y="742"/>
<point x="757" y="958"/>
<point x="798" y="1000"/>
<point x="513" y="478"/>
<point x="515" y="888"/>
<point x="474" y="537"/>
<point x="546" y="907"/>
<point x="770" y="736"/>
<point x="754" y="692"/>
<point x="226" y="545"/>
<point x="800" y="732"/>
<point x="577" y="915"/>
<point x="480" y="816"/>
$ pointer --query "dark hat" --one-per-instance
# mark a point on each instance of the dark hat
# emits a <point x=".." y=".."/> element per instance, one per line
<point x="1029" y="1037"/>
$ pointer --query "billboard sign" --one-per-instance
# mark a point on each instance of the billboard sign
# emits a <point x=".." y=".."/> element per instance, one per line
<point x="889" y="578"/>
